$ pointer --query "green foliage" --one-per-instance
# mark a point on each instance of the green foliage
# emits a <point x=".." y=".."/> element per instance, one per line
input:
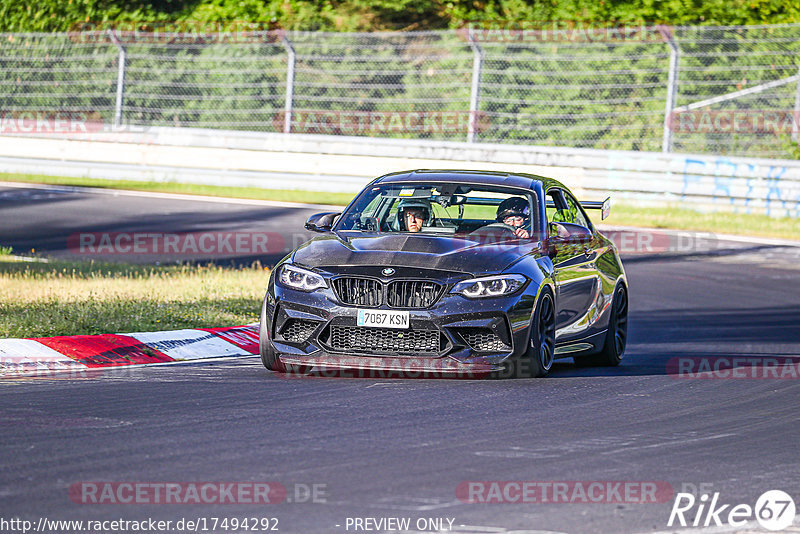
<point x="605" y="95"/>
<point x="371" y="15"/>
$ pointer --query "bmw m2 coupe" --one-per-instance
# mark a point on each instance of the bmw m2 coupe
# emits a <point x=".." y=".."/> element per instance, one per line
<point x="454" y="271"/>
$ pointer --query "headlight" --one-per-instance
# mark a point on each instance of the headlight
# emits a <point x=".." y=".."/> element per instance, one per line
<point x="298" y="278"/>
<point x="490" y="286"/>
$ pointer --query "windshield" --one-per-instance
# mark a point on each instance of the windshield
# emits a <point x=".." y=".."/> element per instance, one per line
<point x="441" y="208"/>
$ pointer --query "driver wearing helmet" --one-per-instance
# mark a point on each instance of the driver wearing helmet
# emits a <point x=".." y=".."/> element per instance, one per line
<point x="413" y="214"/>
<point x="515" y="212"/>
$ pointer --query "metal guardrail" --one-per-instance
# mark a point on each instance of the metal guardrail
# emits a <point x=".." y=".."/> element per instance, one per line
<point x="655" y="89"/>
<point x="346" y="164"/>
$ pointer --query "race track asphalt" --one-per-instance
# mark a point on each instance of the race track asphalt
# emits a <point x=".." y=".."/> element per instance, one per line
<point x="380" y="448"/>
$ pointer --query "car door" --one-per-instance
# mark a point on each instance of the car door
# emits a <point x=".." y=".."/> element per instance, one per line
<point x="574" y="261"/>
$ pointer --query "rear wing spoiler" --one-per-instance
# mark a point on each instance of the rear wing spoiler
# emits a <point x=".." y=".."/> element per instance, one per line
<point x="605" y="206"/>
<point x="591" y="205"/>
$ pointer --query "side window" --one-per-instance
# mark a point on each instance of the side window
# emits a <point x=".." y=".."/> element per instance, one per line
<point x="576" y="214"/>
<point x="556" y="207"/>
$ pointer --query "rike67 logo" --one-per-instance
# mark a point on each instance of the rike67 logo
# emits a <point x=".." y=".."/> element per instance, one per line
<point x="774" y="510"/>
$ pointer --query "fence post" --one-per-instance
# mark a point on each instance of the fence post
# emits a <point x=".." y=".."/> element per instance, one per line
<point x="120" y="79"/>
<point x="796" y="114"/>
<point x="475" y="91"/>
<point x="287" y="108"/>
<point x="672" y="86"/>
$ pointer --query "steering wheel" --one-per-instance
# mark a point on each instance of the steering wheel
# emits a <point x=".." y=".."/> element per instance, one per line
<point x="371" y="224"/>
<point x="492" y="228"/>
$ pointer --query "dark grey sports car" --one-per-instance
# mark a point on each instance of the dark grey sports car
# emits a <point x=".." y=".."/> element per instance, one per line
<point x="470" y="273"/>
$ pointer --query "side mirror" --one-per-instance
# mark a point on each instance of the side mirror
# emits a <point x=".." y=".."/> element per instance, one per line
<point x="557" y="231"/>
<point x="561" y="235"/>
<point x="321" y="222"/>
<point x="557" y="234"/>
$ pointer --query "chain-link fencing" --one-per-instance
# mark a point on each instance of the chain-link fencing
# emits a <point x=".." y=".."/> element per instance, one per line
<point x="720" y="90"/>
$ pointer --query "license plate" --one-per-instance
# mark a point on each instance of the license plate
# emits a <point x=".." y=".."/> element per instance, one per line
<point x="384" y="319"/>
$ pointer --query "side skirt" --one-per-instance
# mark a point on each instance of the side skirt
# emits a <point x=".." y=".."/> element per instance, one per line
<point x="581" y="347"/>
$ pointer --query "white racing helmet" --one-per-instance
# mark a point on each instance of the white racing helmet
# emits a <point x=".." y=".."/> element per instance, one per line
<point x="421" y="204"/>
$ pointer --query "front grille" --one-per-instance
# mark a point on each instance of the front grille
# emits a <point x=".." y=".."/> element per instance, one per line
<point x="297" y="330"/>
<point x="399" y="294"/>
<point x="483" y="340"/>
<point x="358" y="291"/>
<point x="413" y="293"/>
<point x="384" y="340"/>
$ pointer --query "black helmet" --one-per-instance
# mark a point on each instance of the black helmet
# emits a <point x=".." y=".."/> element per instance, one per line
<point x="513" y="206"/>
<point x="422" y="204"/>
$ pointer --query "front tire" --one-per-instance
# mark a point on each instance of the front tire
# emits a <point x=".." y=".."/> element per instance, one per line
<point x="269" y="357"/>
<point x="616" y="336"/>
<point x="538" y="360"/>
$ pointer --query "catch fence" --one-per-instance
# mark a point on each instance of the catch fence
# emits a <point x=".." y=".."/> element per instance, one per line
<point x="716" y="90"/>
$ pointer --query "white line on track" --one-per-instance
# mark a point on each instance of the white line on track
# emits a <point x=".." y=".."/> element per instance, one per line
<point x="170" y="196"/>
<point x="720" y="237"/>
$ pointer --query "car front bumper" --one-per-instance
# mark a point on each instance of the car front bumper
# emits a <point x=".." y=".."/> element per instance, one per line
<point x="456" y="336"/>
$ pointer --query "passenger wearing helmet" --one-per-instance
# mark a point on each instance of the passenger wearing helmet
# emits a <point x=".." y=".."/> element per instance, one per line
<point x="413" y="214"/>
<point x="515" y="212"/>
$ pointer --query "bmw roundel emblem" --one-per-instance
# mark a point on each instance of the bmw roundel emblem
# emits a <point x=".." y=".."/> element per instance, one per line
<point x="388" y="271"/>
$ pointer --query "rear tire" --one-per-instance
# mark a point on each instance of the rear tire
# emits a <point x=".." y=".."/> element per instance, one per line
<point x="616" y="336"/>
<point x="538" y="360"/>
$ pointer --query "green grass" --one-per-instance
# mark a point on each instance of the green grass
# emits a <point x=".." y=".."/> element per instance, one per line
<point x="719" y="222"/>
<point x="70" y="298"/>
<point x="283" y="195"/>
<point x="669" y="216"/>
